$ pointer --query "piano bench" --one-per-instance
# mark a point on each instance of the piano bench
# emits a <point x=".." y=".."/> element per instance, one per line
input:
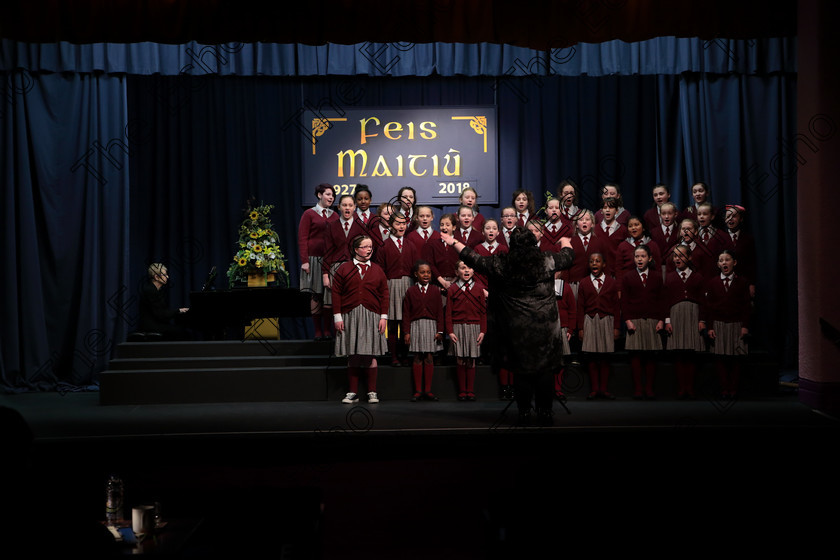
<point x="144" y="336"/>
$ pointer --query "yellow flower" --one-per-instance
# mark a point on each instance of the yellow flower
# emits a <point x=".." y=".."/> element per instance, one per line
<point x="254" y="235"/>
<point x="255" y="215"/>
<point x="257" y="248"/>
<point x="243" y="261"/>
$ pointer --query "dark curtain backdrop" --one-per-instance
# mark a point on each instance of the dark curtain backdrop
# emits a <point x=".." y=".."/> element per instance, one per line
<point x="105" y="172"/>
<point x="65" y="229"/>
<point x="215" y="143"/>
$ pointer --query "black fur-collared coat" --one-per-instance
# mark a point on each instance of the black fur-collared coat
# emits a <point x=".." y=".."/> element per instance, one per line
<point x="523" y="319"/>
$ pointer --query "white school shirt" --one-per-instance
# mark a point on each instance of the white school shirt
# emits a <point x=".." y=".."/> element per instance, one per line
<point x="611" y="229"/>
<point x="321" y="211"/>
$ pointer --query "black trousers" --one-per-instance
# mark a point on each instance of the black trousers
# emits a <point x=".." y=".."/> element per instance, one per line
<point x="538" y="388"/>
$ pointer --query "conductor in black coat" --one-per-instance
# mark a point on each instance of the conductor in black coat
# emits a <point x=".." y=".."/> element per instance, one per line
<point x="155" y="313"/>
<point x="522" y="309"/>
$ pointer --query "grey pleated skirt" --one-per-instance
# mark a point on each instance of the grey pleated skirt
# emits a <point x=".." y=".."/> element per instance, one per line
<point x="423" y="333"/>
<point x="396" y="294"/>
<point x="466" y="347"/>
<point x="361" y="334"/>
<point x="685" y="335"/>
<point x="644" y="337"/>
<point x="728" y="340"/>
<point x="598" y="334"/>
<point x="564" y="334"/>
<point x="312" y="281"/>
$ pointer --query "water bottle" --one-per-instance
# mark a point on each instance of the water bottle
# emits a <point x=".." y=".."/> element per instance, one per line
<point x="114" y="493"/>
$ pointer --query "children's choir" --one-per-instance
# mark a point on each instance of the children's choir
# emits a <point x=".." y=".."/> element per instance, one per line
<point x="663" y="284"/>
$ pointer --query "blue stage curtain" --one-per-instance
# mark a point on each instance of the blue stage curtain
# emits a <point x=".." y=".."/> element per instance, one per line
<point x="77" y="132"/>
<point x="219" y="141"/>
<point x="65" y="228"/>
<point x="660" y="55"/>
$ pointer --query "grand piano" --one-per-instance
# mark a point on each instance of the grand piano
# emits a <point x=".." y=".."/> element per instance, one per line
<point x="228" y="313"/>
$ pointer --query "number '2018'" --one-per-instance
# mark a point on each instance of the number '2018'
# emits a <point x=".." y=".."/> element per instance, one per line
<point x="452" y="188"/>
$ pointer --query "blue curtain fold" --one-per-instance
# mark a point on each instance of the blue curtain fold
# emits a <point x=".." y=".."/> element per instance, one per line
<point x="65" y="229"/>
<point x="660" y="55"/>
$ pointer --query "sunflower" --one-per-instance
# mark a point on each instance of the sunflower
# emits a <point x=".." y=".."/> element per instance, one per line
<point x="242" y="261"/>
<point x="254" y="215"/>
<point x="257" y="248"/>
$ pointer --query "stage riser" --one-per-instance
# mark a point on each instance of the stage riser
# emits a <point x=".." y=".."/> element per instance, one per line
<point x="319" y="384"/>
<point x="220" y="362"/>
<point x="222" y="348"/>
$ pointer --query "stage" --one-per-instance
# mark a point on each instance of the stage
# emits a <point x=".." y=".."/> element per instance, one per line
<point x="448" y="479"/>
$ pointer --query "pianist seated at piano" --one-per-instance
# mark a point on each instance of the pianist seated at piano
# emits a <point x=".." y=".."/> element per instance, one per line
<point x="155" y="314"/>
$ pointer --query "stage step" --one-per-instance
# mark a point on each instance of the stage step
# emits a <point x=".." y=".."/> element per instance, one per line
<point x="223" y="348"/>
<point x="221" y="362"/>
<point x="252" y="371"/>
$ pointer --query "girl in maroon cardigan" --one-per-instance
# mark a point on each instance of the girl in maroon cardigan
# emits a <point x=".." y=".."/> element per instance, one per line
<point x="340" y="233"/>
<point x="422" y="323"/>
<point x="585" y="243"/>
<point x="636" y="235"/>
<point x="424" y="232"/>
<point x="442" y="257"/>
<point x="611" y="231"/>
<point x="493" y="246"/>
<point x="567" y="310"/>
<point x="711" y="240"/>
<point x="685" y="291"/>
<point x="727" y="318"/>
<point x="469" y="197"/>
<point x="612" y="190"/>
<point x="396" y="257"/>
<point x="360" y="305"/>
<point x="742" y="242"/>
<point x="641" y="293"/>
<point x="312" y="232"/>
<point x="661" y="194"/>
<point x="598" y="316"/>
<point x="466" y="325"/>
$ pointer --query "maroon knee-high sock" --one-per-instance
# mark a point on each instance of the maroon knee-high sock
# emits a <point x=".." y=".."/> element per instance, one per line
<point x="316" y="323"/>
<point x="650" y="373"/>
<point x="636" y="368"/>
<point x="461" y="372"/>
<point x="504" y="377"/>
<point x="417" y="376"/>
<point x="734" y="375"/>
<point x="594" y="371"/>
<point x="353" y="379"/>
<point x="371" y="373"/>
<point x="328" y="325"/>
<point x="689" y="368"/>
<point x="470" y="377"/>
<point x="679" y="369"/>
<point x="428" y="371"/>
<point x="605" y="375"/>
<point x="558" y="382"/>
<point x="723" y="378"/>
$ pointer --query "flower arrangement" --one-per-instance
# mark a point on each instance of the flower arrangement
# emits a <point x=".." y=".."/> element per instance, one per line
<point x="258" y="252"/>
